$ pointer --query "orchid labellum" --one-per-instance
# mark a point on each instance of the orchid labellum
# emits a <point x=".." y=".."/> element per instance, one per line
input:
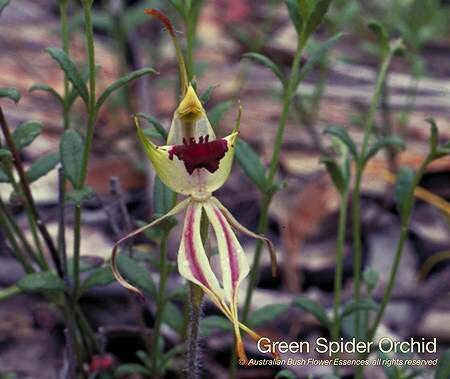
<point x="195" y="163"/>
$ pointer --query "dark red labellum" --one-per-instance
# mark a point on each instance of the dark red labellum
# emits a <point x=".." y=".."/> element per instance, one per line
<point x="201" y="154"/>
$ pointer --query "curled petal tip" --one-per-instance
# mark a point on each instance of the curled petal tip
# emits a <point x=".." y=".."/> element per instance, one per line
<point x="161" y="17"/>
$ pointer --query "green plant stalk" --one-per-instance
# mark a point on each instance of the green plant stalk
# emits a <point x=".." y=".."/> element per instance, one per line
<point x="336" y="326"/>
<point x="160" y="301"/>
<point x="289" y="94"/>
<point x="63" y="5"/>
<point x="356" y="195"/>
<point x="191" y="28"/>
<point x="92" y="115"/>
<point x="7" y="229"/>
<point x="8" y="292"/>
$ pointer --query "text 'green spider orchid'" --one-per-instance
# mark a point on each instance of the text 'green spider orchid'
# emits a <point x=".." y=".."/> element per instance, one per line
<point x="195" y="163"/>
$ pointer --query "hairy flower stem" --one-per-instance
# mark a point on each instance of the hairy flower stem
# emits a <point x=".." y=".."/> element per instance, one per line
<point x="92" y="115"/>
<point x="193" y="348"/>
<point x="336" y="326"/>
<point x="160" y="302"/>
<point x="356" y="195"/>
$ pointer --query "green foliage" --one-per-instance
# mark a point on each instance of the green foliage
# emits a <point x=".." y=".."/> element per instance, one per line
<point x="3" y="4"/>
<point x="137" y="275"/>
<point x="370" y="277"/>
<point x="159" y="128"/>
<point x="443" y="369"/>
<point x="173" y="317"/>
<point x="382" y="36"/>
<point x="123" y="81"/>
<point x="366" y="304"/>
<point x="342" y="134"/>
<point x="99" y="277"/>
<point x="46" y="88"/>
<point x="217" y="112"/>
<point x="71" y="153"/>
<point x="267" y="62"/>
<point x="266" y="314"/>
<point x="436" y="150"/>
<point x="42" y="166"/>
<point x="70" y="70"/>
<point x="251" y="164"/>
<point x="205" y="96"/>
<point x="163" y="197"/>
<point x="10" y="92"/>
<point x="285" y="374"/>
<point x="312" y="307"/>
<point x="209" y="324"/>
<point x="386" y="142"/>
<point x="79" y="196"/>
<point x="403" y="192"/>
<point x="132" y="369"/>
<point x="41" y="281"/>
<point x="25" y="133"/>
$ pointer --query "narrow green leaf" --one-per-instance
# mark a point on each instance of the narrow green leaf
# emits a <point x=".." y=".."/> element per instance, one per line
<point x="123" y="81"/>
<point x="3" y="177"/>
<point x="71" y="71"/>
<point x="71" y="153"/>
<point x="5" y="157"/>
<point x="317" y="56"/>
<point x="205" y="96"/>
<point x="267" y="62"/>
<point x="79" y="196"/>
<point x="344" y="137"/>
<point x="3" y="4"/>
<point x="366" y="304"/>
<point x="285" y="374"/>
<point x="312" y="307"/>
<point x="46" y="88"/>
<point x="152" y="120"/>
<point x="217" y="112"/>
<point x="433" y="141"/>
<point x="7" y="292"/>
<point x="163" y="197"/>
<point x="42" y="166"/>
<point x="370" y="277"/>
<point x="173" y="317"/>
<point x="99" y="277"/>
<point x="443" y="369"/>
<point x="384" y="143"/>
<point x="25" y="133"/>
<point x="251" y="164"/>
<point x="136" y="274"/>
<point x="316" y="17"/>
<point x="382" y="36"/>
<point x="266" y="314"/>
<point x="209" y="324"/>
<point x="10" y="92"/>
<point x="41" y="281"/>
<point x="336" y="174"/>
<point x="403" y="191"/>
<point x="295" y="15"/>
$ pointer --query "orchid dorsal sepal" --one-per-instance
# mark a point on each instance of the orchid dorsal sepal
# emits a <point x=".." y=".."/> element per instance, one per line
<point x="238" y="226"/>
<point x="168" y="25"/>
<point x="175" y="210"/>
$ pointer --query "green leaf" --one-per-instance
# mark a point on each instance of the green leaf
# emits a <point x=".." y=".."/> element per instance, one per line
<point x="285" y="374"/>
<point x="295" y="15"/>
<point x="173" y="317"/>
<point x="370" y="277"/>
<point x="217" y="112"/>
<point x="70" y="70"/>
<point x="152" y="120"/>
<point x="404" y="191"/>
<point x="3" y="4"/>
<point x="163" y="197"/>
<point x="3" y="177"/>
<point x="25" y="133"/>
<point x="366" y="304"/>
<point x="251" y="164"/>
<point x="316" y="17"/>
<point x="312" y="307"/>
<point x="42" y="166"/>
<point x="79" y="196"/>
<point x="137" y="275"/>
<point x="317" y="56"/>
<point x="47" y="88"/>
<point x="71" y="152"/>
<point x="266" y="314"/>
<point x="99" y="277"/>
<point x="7" y="292"/>
<point x="382" y="36"/>
<point x="383" y="143"/>
<point x="205" y="96"/>
<point x="132" y="368"/>
<point x="267" y="62"/>
<point x="10" y="92"/>
<point x="209" y="324"/>
<point x="344" y="137"/>
<point x="41" y="281"/>
<point x="443" y="369"/>
<point x="123" y="81"/>
<point x="433" y="141"/>
<point x="5" y="157"/>
<point x="336" y="174"/>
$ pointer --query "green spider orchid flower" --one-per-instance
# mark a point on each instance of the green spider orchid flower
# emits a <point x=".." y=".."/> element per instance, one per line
<point x="195" y="163"/>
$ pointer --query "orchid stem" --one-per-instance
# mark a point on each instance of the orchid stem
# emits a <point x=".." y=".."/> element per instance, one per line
<point x="193" y="352"/>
